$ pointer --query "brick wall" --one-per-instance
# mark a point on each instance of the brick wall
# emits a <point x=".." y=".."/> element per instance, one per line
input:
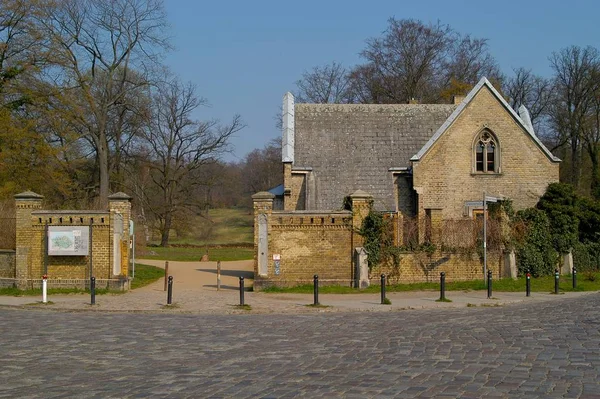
<point x="444" y="177"/>
<point x="32" y="260"/>
<point x="417" y="267"/>
<point x="7" y="263"/>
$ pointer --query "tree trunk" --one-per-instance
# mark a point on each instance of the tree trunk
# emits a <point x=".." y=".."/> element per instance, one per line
<point x="164" y="236"/>
<point x="594" y="157"/>
<point x="575" y="164"/>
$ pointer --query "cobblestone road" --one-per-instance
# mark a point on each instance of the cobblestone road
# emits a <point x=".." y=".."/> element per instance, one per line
<point x="549" y="349"/>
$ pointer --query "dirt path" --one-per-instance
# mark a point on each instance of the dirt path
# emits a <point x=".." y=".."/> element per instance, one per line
<point x="203" y="275"/>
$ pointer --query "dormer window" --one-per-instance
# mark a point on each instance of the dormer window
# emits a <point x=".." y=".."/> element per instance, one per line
<point x="486" y="153"/>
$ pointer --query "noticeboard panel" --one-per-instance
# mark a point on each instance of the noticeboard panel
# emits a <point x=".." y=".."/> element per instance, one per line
<point x="68" y="240"/>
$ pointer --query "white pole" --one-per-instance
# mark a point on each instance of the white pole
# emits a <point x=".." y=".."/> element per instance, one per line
<point x="45" y="289"/>
<point x="484" y="240"/>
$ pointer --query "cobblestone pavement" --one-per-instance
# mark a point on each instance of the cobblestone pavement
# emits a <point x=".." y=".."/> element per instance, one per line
<point x="545" y="349"/>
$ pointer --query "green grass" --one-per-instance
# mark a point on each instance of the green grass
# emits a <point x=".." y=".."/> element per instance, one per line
<point x="540" y="284"/>
<point x="146" y="274"/>
<point x="195" y="254"/>
<point x="222" y="226"/>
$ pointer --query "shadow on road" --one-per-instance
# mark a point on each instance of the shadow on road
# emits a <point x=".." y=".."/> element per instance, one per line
<point x="227" y="287"/>
<point x="232" y="273"/>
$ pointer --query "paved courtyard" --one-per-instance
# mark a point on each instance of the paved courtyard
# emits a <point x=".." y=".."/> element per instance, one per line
<point x="546" y="349"/>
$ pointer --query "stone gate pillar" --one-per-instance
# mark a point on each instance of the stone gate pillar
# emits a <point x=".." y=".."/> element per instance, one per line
<point x="25" y="204"/>
<point x="120" y="213"/>
<point x="263" y="208"/>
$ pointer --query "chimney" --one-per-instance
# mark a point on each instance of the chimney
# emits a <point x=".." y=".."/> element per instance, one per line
<point x="457" y="99"/>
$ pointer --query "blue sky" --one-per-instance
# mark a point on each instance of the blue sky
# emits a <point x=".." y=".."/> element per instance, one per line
<point x="244" y="55"/>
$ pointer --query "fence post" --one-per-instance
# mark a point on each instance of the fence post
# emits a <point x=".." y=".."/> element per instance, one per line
<point x="44" y="288"/>
<point x="316" y="289"/>
<point x="442" y="286"/>
<point x="556" y="278"/>
<point x="241" y="291"/>
<point x="93" y="290"/>
<point x="383" y="289"/>
<point x="170" y="291"/>
<point x="528" y="284"/>
<point x="218" y="275"/>
<point x="574" y="278"/>
<point x="166" y="274"/>
<point x="489" y="284"/>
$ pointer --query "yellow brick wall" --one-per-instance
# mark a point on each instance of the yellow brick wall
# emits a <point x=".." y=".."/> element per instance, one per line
<point x="444" y="179"/>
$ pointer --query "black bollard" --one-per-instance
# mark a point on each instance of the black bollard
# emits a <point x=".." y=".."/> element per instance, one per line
<point x="442" y="286"/>
<point x="489" y="284"/>
<point x="528" y="285"/>
<point x="242" y="291"/>
<point x="556" y="277"/>
<point x="316" y="289"/>
<point x="574" y="278"/>
<point x="93" y="290"/>
<point x="383" y="289"/>
<point x="170" y="291"/>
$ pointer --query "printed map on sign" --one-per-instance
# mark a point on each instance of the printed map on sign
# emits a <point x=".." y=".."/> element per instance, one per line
<point x="68" y="241"/>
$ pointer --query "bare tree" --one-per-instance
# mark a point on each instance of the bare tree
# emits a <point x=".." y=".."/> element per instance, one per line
<point x="324" y="84"/>
<point x="413" y="60"/>
<point x="575" y="88"/>
<point x="96" y="46"/>
<point x="177" y="147"/>
<point x="262" y="168"/>
<point x="532" y="91"/>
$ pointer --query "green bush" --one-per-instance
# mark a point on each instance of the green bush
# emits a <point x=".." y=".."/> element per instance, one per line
<point x="586" y="257"/>
<point x="535" y="253"/>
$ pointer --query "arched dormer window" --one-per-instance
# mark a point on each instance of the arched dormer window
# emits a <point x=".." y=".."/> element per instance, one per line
<point x="486" y="153"/>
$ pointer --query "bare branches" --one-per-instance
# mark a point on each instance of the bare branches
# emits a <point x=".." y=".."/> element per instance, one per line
<point x="324" y="84"/>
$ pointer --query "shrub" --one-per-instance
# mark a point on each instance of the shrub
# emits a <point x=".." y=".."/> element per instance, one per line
<point x="534" y="249"/>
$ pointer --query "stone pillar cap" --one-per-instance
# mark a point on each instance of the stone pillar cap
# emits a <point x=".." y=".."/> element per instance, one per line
<point x="263" y="195"/>
<point x="360" y="194"/>
<point x="29" y="195"/>
<point x="120" y="196"/>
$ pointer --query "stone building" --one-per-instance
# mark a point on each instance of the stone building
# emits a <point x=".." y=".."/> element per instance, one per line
<point x="426" y="163"/>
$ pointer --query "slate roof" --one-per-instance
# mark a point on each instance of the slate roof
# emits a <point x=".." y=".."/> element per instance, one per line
<point x="352" y="146"/>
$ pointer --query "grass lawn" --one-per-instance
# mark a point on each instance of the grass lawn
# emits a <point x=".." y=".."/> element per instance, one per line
<point x="195" y="254"/>
<point x="540" y="284"/>
<point x="144" y="275"/>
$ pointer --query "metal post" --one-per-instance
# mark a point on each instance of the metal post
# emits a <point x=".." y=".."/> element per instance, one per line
<point x="383" y="289"/>
<point x="528" y="285"/>
<point x="45" y="289"/>
<point x="166" y="274"/>
<point x="170" y="291"/>
<point x="556" y="277"/>
<point x="489" y="284"/>
<point x="574" y="278"/>
<point x="484" y="238"/>
<point x="241" y="291"/>
<point x="442" y="286"/>
<point x="316" y="289"/>
<point x="218" y="275"/>
<point x="93" y="290"/>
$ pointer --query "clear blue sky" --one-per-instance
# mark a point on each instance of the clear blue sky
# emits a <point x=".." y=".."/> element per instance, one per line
<point x="244" y="55"/>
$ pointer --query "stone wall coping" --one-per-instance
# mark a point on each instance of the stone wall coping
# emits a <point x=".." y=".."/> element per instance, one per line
<point x="28" y="195"/>
<point x="119" y="197"/>
<point x="69" y="212"/>
<point x="263" y="195"/>
<point x="313" y="212"/>
<point x="360" y="194"/>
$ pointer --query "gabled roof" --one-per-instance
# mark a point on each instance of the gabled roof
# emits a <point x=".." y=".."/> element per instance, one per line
<point x="483" y="82"/>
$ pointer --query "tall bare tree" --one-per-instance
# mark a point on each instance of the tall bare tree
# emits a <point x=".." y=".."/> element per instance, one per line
<point x="101" y="50"/>
<point x="532" y="91"/>
<point x="575" y="88"/>
<point x="324" y="84"/>
<point x="413" y="60"/>
<point x="176" y="148"/>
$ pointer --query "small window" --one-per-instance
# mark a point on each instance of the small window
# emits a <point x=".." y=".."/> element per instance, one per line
<point x="486" y="153"/>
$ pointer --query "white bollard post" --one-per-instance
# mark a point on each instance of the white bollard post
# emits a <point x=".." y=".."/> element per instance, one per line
<point x="45" y="289"/>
